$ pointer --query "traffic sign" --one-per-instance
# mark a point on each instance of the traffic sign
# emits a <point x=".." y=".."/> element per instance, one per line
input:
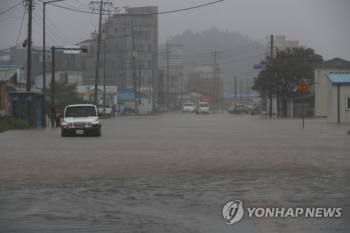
<point x="302" y="87"/>
<point x="259" y="67"/>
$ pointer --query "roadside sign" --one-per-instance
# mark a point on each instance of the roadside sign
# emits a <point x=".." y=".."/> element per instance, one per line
<point x="72" y="49"/>
<point x="259" y="67"/>
<point x="302" y="87"/>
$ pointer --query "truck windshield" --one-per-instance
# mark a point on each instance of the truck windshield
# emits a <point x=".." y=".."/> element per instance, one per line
<point x="80" y="111"/>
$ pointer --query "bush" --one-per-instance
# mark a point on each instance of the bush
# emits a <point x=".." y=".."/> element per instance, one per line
<point x="8" y="123"/>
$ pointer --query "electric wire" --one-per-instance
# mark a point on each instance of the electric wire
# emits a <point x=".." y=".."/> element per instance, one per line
<point x="158" y="13"/>
<point x="66" y="39"/>
<point x="48" y="34"/>
<point x="10" y="8"/>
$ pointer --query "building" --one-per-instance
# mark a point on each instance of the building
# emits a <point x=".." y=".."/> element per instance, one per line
<point x="136" y="30"/>
<point x="205" y="80"/>
<point x="280" y="43"/>
<point x="338" y="97"/>
<point x="321" y="82"/>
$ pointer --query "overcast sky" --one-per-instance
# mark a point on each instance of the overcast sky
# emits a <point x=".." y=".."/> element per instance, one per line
<point x="322" y="25"/>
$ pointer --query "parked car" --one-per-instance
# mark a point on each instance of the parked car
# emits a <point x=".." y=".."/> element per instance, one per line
<point x="81" y="119"/>
<point x="161" y="109"/>
<point x="202" y="107"/>
<point x="128" y="110"/>
<point x="239" y="108"/>
<point x="108" y="109"/>
<point x="188" y="107"/>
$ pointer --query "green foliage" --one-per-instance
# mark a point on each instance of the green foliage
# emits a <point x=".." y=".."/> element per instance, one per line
<point x="9" y="123"/>
<point x="65" y="94"/>
<point x="285" y="71"/>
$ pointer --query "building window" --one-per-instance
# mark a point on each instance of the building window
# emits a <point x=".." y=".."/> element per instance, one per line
<point x="64" y="78"/>
<point x="348" y="103"/>
<point x="115" y="30"/>
<point x="142" y="32"/>
<point x="116" y="48"/>
<point x="139" y="47"/>
<point x="149" y="65"/>
<point x="139" y="64"/>
<point x="149" y="48"/>
<point x="66" y="63"/>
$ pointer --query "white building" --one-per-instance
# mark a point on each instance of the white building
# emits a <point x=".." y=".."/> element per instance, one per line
<point x="338" y="97"/>
<point x="321" y="82"/>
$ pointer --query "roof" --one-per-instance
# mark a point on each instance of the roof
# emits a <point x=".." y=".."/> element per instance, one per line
<point x="125" y="94"/>
<point x="6" y="74"/>
<point x="342" y="78"/>
<point x="334" y="63"/>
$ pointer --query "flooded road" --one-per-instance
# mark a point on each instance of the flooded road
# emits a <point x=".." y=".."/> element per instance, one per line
<point x="174" y="174"/>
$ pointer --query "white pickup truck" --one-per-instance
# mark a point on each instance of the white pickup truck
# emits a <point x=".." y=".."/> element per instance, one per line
<point x="188" y="107"/>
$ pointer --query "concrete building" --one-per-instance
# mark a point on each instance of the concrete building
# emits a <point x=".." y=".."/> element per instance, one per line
<point x="321" y="82"/>
<point x="280" y="43"/>
<point x="135" y="29"/>
<point x="205" y="80"/>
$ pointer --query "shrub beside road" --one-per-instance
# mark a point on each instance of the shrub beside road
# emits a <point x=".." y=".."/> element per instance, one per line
<point x="9" y="123"/>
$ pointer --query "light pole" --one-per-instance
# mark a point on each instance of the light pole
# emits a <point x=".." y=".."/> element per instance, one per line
<point x="53" y="50"/>
<point x="44" y="60"/>
<point x="104" y="70"/>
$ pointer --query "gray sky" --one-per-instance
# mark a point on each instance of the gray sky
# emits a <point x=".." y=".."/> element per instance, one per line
<point x="319" y="24"/>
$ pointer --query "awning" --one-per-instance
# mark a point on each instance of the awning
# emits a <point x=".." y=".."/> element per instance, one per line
<point x="6" y="74"/>
<point x="18" y="89"/>
<point x="10" y="89"/>
<point x="302" y="95"/>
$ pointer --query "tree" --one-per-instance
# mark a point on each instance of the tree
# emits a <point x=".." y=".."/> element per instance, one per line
<point x="65" y="94"/>
<point x="285" y="71"/>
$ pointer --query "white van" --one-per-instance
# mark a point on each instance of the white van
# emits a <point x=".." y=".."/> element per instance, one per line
<point x="202" y="107"/>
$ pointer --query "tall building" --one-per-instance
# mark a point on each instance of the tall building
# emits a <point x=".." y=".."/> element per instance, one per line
<point x="280" y="43"/>
<point x="135" y="29"/>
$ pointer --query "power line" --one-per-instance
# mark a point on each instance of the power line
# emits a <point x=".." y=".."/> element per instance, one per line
<point x="158" y="13"/>
<point x="48" y="34"/>
<point x="10" y="8"/>
<point x="19" y="34"/>
<point x="67" y="40"/>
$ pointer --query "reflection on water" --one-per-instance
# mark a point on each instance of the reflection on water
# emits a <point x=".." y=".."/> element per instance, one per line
<point x="176" y="181"/>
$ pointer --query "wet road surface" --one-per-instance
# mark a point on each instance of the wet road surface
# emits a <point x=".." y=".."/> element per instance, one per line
<point x="174" y="174"/>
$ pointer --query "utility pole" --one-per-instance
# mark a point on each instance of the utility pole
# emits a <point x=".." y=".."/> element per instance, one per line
<point x="53" y="84"/>
<point x="168" y="47"/>
<point x="133" y="67"/>
<point x="139" y="93"/>
<point x="214" y="83"/>
<point x="29" y="48"/>
<point x="101" y="5"/>
<point x="235" y="94"/>
<point x="181" y="84"/>
<point x="270" y="105"/>
<point x="214" y="87"/>
<point x="167" y="76"/>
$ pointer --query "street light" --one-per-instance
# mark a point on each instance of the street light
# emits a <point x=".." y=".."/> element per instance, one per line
<point x="44" y="60"/>
<point x="104" y="70"/>
<point x="53" y="50"/>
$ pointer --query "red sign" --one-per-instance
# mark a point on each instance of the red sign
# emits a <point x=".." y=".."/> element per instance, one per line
<point x="302" y="87"/>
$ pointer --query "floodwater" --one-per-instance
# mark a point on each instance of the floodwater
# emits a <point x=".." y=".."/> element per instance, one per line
<point x="174" y="173"/>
